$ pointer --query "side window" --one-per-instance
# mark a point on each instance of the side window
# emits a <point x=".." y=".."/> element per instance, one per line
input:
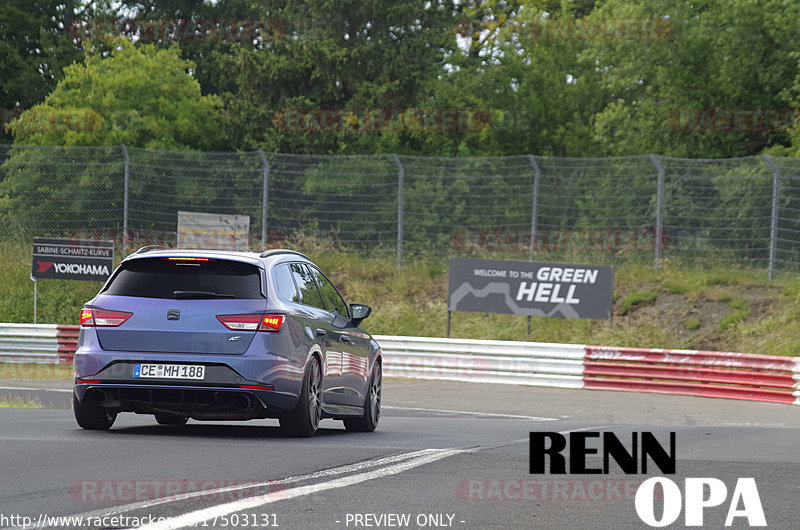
<point x="286" y="287"/>
<point x="309" y="294"/>
<point x="333" y="302"/>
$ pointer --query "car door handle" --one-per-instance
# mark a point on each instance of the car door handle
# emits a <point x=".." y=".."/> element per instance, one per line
<point x="344" y="338"/>
<point x="321" y="332"/>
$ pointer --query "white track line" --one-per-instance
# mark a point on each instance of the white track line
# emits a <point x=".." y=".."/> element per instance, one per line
<point x="38" y="389"/>
<point x="392" y="465"/>
<point x="422" y="457"/>
<point x="487" y="414"/>
<point x="209" y="514"/>
<point x="325" y="473"/>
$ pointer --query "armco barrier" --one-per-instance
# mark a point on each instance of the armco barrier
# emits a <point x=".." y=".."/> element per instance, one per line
<point x="483" y="361"/>
<point x="687" y="372"/>
<point x="38" y="343"/>
<point x="695" y="373"/>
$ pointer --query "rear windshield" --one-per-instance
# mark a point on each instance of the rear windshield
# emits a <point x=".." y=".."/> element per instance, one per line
<point x="186" y="279"/>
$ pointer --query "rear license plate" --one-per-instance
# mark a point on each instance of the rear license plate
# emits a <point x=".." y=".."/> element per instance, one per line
<point x="170" y="371"/>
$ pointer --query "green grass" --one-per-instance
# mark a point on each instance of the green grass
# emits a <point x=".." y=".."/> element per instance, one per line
<point x="59" y="301"/>
<point x="636" y="299"/>
<point x="692" y="324"/>
<point x="739" y="314"/>
<point x="12" y="402"/>
<point x="35" y="371"/>
<point x="740" y="310"/>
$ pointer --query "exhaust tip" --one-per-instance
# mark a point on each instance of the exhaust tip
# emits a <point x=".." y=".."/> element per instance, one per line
<point x="97" y="397"/>
<point x="243" y="401"/>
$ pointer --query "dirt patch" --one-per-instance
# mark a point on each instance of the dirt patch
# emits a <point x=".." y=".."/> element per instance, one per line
<point x="672" y="311"/>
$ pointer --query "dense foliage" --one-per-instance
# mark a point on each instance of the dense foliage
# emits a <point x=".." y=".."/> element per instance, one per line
<point x="700" y="79"/>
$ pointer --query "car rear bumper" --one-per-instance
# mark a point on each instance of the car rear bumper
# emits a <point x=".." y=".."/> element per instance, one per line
<point x="198" y="402"/>
<point x="222" y="394"/>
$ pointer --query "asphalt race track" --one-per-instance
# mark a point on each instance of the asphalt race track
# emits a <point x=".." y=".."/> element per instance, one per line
<point x="453" y="455"/>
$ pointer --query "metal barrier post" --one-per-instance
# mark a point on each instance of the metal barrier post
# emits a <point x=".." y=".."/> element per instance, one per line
<point x="401" y="177"/>
<point x="659" y="206"/>
<point x="35" y="296"/>
<point x="124" y="200"/>
<point x="537" y="173"/>
<point x="264" y="200"/>
<point x="773" y="229"/>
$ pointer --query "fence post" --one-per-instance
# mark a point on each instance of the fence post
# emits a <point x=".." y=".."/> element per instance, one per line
<point x="401" y="177"/>
<point x="659" y="207"/>
<point x="125" y="199"/>
<point x="773" y="229"/>
<point x="264" y="199"/>
<point x="537" y="173"/>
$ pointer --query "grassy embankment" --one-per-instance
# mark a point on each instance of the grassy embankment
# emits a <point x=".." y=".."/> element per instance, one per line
<point x="664" y="308"/>
<point x="12" y="402"/>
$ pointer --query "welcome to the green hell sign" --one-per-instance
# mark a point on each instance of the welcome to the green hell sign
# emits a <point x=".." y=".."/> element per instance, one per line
<point x="531" y="288"/>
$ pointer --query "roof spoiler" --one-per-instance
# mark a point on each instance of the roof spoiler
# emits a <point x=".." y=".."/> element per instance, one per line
<point x="148" y="248"/>
<point x="276" y="251"/>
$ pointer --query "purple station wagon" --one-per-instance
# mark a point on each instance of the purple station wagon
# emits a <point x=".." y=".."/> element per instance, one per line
<point x="223" y="335"/>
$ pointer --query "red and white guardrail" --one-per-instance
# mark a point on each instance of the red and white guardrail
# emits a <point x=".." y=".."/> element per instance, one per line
<point x="688" y="372"/>
<point x="695" y="373"/>
<point x="38" y="343"/>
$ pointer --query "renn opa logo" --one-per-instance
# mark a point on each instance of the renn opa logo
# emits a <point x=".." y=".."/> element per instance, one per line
<point x="698" y="493"/>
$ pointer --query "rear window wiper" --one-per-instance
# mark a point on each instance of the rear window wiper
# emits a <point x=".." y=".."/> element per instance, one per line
<point x="201" y="294"/>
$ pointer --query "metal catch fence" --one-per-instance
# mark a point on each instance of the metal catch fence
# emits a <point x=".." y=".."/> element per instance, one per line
<point x="739" y="212"/>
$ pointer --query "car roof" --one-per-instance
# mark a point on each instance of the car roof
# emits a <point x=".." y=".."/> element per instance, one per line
<point x="252" y="257"/>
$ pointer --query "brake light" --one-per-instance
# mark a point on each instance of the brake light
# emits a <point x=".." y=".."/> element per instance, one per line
<point x="257" y="322"/>
<point x="271" y="323"/>
<point x="103" y="317"/>
<point x="87" y="316"/>
<point x="257" y="387"/>
<point x="184" y="258"/>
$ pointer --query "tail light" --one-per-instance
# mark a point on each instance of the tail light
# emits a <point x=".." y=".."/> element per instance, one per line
<point x="257" y="387"/>
<point x="257" y="322"/>
<point x="103" y="317"/>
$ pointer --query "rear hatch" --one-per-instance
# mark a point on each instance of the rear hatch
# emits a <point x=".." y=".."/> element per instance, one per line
<point x="175" y="302"/>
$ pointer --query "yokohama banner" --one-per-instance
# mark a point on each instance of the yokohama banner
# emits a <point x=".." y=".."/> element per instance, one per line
<point x="72" y="259"/>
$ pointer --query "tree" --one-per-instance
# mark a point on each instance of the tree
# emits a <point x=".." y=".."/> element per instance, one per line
<point x="34" y="47"/>
<point x="679" y="92"/>
<point x="358" y="55"/>
<point x="140" y="96"/>
<point x="526" y="94"/>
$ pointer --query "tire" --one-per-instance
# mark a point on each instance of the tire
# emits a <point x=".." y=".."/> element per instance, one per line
<point x="92" y="417"/>
<point x="303" y="421"/>
<point x="372" y="404"/>
<point x="171" y="419"/>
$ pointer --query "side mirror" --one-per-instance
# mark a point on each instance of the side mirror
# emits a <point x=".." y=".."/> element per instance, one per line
<point x="359" y="312"/>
